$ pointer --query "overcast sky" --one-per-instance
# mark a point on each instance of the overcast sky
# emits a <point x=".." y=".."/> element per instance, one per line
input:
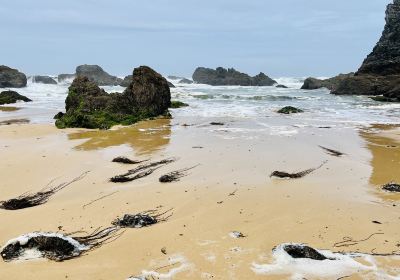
<point x="279" y="37"/>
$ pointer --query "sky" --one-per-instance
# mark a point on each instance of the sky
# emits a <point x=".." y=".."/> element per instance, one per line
<point x="282" y="38"/>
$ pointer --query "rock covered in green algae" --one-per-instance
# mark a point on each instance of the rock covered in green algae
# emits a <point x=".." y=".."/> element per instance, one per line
<point x="88" y="106"/>
<point x="10" y="97"/>
<point x="290" y="110"/>
<point x="178" y="104"/>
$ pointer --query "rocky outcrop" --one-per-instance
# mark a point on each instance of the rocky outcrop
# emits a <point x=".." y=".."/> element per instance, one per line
<point x="97" y="75"/>
<point x="331" y="83"/>
<point x="88" y="106"/>
<point x="231" y="77"/>
<point x="380" y="72"/>
<point x="175" y="78"/>
<point x="11" y="78"/>
<point x="281" y="86"/>
<point x="65" y="77"/>
<point x="128" y="79"/>
<point x="44" y="80"/>
<point x="186" y="81"/>
<point x="10" y="97"/>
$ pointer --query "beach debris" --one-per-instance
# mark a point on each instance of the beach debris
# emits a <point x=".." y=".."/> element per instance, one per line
<point x="217" y="123"/>
<point x="349" y="241"/>
<point x="391" y="187"/>
<point x="54" y="246"/>
<point x="126" y="160"/>
<point x="236" y="234"/>
<point x="28" y="200"/>
<point x="301" y="251"/>
<point x="164" y="250"/>
<point x="143" y="219"/>
<point x="290" y="110"/>
<point x="283" y="174"/>
<point x="141" y="171"/>
<point x="174" y="176"/>
<point x="98" y="199"/>
<point x="332" y="152"/>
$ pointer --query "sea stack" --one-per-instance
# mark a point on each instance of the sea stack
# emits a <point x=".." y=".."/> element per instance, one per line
<point x="229" y="77"/>
<point x="97" y="75"/>
<point x="89" y="106"/>
<point x="380" y="72"/>
<point x="11" y="78"/>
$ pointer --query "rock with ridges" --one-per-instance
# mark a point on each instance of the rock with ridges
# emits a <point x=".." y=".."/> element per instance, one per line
<point x="96" y="74"/>
<point x="331" y="83"/>
<point x="11" y="78"/>
<point x="89" y="106"/>
<point x="10" y="97"/>
<point x="229" y="77"/>
<point x="44" y="80"/>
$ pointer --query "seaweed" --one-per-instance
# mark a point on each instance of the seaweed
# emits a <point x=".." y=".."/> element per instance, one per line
<point x="217" y="123"/>
<point x="332" y="152"/>
<point x="142" y="219"/>
<point x="301" y="174"/>
<point x="28" y="200"/>
<point x="174" y="176"/>
<point x="141" y="171"/>
<point x="55" y="246"/>
<point x="391" y="187"/>
<point x="126" y="160"/>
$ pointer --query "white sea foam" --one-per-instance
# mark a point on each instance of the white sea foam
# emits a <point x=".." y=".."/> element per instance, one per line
<point x="336" y="266"/>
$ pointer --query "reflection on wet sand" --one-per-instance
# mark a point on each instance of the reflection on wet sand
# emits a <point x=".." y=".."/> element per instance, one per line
<point x="8" y="109"/>
<point x="144" y="137"/>
<point x="383" y="141"/>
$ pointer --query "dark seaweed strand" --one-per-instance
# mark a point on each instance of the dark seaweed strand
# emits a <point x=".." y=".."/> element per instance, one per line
<point x="160" y="217"/>
<point x="150" y="165"/>
<point x="283" y="174"/>
<point x="175" y="175"/>
<point x="332" y="152"/>
<point x="98" y="237"/>
<point x="27" y="200"/>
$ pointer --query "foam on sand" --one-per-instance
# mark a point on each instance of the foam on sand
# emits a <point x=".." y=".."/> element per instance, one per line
<point x="337" y="265"/>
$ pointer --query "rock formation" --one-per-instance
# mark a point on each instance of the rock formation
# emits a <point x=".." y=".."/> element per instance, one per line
<point x="88" y="106"/>
<point x="331" y="83"/>
<point x="10" y="97"/>
<point x="44" y="80"/>
<point x="97" y="75"/>
<point x="380" y="72"/>
<point x="231" y="77"/>
<point x="128" y="79"/>
<point x="11" y="78"/>
<point x="185" y="81"/>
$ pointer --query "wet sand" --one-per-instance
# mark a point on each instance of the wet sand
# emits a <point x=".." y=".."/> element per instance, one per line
<point x="229" y="191"/>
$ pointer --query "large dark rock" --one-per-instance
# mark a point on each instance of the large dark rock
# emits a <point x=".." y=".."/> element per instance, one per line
<point x="63" y="77"/>
<point x="380" y="72"/>
<point x="11" y="78"/>
<point x="128" y="80"/>
<point x="44" y="80"/>
<point x="229" y="77"/>
<point x="88" y="106"/>
<point x="9" y="97"/>
<point x="331" y="83"/>
<point x="96" y="74"/>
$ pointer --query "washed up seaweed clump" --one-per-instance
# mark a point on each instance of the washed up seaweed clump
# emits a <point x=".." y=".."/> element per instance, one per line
<point x="89" y="106"/>
<point x="300" y="251"/>
<point x="174" y="176"/>
<point x="141" y="171"/>
<point x="392" y="187"/>
<point x="54" y="246"/>
<point x="143" y="219"/>
<point x="126" y="160"/>
<point x="28" y="200"/>
<point x="296" y="175"/>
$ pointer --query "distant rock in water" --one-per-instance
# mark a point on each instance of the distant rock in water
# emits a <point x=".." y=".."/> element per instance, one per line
<point x="88" y="106"/>
<point x="97" y="75"/>
<point x="331" y="83"/>
<point x="281" y="86"/>
<point x="10" y="97"/>
<point x="290" y="110"/>
<point x="186" y="81"/>
<point x="11" y="78"/>
<point x="44" y="80"/>
<point x="128" y="80"/>
<point x="175" y="78"/>
<point x="63" y="77"/>
<point x="229" y="77"/>
<point x="380" y="72"/>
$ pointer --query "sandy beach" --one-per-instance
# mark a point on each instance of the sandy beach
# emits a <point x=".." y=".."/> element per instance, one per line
<point x="228" y="190"/>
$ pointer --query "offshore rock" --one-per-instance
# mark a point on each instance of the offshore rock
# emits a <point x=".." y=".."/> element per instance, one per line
<point x="11" y="78"/>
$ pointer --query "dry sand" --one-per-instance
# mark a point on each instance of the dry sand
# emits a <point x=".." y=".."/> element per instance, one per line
<point x="230" y="190"/>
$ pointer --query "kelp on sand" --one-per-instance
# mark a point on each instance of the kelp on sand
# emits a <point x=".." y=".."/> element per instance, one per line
<point x="296" y="175"/>
<point x="142" y="219"/>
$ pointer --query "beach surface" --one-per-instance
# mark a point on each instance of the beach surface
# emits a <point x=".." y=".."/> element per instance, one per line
<point x="229" y="189"/>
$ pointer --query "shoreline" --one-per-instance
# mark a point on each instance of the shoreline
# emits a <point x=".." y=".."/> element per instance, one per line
<point x="212" y="201"/>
